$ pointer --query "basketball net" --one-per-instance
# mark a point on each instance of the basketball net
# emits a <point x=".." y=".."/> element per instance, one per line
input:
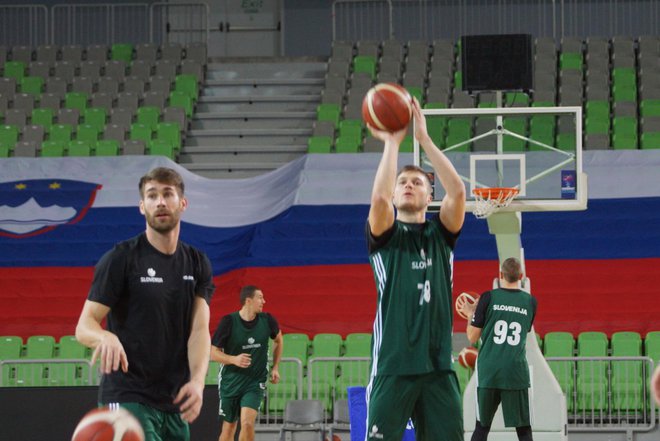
<point x="489" y="200"/>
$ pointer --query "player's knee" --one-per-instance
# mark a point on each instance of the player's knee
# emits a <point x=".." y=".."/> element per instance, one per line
<point x="247" y="424"/>
<point x="524" y="433"/>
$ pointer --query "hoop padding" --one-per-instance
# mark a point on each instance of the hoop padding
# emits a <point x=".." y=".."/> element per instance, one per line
<point x="489" y="200"/>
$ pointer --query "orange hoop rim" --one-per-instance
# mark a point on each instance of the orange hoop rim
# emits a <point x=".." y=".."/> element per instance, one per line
<point x="495" y="192"/>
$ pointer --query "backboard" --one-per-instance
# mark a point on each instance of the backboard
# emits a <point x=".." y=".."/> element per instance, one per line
<point x="537" y="150"/>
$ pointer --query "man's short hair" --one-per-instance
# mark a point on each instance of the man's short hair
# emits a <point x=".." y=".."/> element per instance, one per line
<point x="163" y="175"/>
<point x="415" y="168"/>
<point x="511" y="270"/>
<point x="248" y="292"/>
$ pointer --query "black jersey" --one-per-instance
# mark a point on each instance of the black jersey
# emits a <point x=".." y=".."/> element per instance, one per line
<point x="150" y="296"/>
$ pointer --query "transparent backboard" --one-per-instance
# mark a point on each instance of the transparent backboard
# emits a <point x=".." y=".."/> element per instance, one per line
<point x="537" y="150"/>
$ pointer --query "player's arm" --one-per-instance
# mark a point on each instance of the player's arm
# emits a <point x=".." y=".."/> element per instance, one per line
<point x="477" y="318"/>
<point x="190" y="396"/>
<point x="219" y="355"/>
<point x="452" y="213"/>
<point x="107" y="347"/>
<point x="381" y="211"/>
<point x="278" y="347"/>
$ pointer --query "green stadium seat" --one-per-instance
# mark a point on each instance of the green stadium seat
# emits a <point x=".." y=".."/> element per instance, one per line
<point x="366" y="64"/>
<point x="516" y="125"/>
<point x="170" y="132"/>
<point x="592" y="395"/>
<point x="14" y="69"/>
<point x="458" y="130"/>
<point x="624" y="125"/>
<point x="80" y="148"/>
<point x="436" y="125"/>
<point x="325" y="345"/>
<point x="650" y="107"/>
<point x="278" y="395"/>
<point x="76" y="100"/>
<point x="357" y="344"/>
<point x="624" y="76"/>
<point x="597" y="108"/>
<point x="74" y="373"/>
<point x="183" y="101"/>
<point x="328" y="112"/>
<point x="212" y="373"/>
<point x="87" y="132"/>
<point x="9" y="135"/>
<point x="60" y="132"/>
<point x="416" y="92"/>
<point x="650" y="140"/>
<point x="570" y="60"/>
<point x="122" y="52"/>
<point x="4" y="150"/>
<point x="562" y="344"/>
<point x="11" y="347"/>
<point x="592" y="344"/>
<point x="597" y="124"/>
<point x="566" y="141"/>
<point x="347" y="144"/>
<point x="140" y="132"/>
<point x="53" y="149"/>
<point x="31" y="85"/>
<point x="95" y="116"/>
<point x="407" y="145"/>
<point x="107" y="147"/>
<point x="624" y="93"/>
<point x="624" y="141"/>
<point x="458" y="80"/>
<point x="295" y="346"/>
<point x="322" y="392"/>
<point x="516" y="99"/>
<point x="43" y="117"/>
<point x="35" y="374"/>
<point x="149" y="115"/>
<point x="350" y="128"/>
<point x="161" y="147"/>
<point x="188" y="85"/>
<point x="627" y="380"/>
<point x="319" y="144"/>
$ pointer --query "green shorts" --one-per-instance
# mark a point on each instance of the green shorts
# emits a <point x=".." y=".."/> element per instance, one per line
<point x="159" y="425"/>
<point x="433" y="401"/>
<point x="515" y="406"/>
<point x="230" y="406"/>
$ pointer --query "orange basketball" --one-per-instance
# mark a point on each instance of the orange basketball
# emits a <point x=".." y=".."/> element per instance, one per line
<point x="103" y="424"/>
<point x="468" y="357"/>
<point x="388" y="107"/>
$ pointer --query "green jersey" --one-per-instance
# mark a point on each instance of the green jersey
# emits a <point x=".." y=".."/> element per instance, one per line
<point x="505" y="317"/>
<point x="412" y="265"/>
<point x="244" y="338"/>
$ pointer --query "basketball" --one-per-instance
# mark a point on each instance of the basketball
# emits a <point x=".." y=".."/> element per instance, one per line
<point x="468" y="357"/>
<point x="103" y="424"/>
<point x="469" y="297"/>
<point x="388" y="107"/>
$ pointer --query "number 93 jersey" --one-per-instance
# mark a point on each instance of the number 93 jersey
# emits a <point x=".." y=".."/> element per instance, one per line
<point x="505" y="317"/>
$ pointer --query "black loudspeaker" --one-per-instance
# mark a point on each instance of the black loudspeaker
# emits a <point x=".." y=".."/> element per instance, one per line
<point x="497" y="62"/>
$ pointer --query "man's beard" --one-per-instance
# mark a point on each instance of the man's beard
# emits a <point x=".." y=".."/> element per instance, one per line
<point x="163" y="227"/>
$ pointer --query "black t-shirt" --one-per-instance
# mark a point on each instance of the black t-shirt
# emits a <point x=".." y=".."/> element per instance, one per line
<point x="223" y="331"/>
<point x="151" y="297"/>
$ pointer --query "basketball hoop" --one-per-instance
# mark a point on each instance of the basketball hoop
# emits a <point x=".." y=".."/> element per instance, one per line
<point x="489" y="200"/>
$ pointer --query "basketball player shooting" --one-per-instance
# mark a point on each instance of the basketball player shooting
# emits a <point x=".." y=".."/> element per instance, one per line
<point x="412" y="260"/>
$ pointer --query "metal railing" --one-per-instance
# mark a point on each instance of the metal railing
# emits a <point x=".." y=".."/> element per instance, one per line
<point x="178" y="22"/>
<point x="99" y="23"/>
<point x="606" y="393"/>
<point x="434" y="19"/>
<point x="25" y="25"/>
<point x="47" y="372"/>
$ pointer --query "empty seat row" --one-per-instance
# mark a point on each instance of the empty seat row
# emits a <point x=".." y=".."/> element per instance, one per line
<point x="120" y="51"/>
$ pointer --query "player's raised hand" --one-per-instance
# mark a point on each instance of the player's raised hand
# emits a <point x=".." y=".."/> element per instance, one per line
<point x="421" y="132"/>
<point x="242" y="360"/>
<point x="387" y="136"/>
<point x="111" y="354"/>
